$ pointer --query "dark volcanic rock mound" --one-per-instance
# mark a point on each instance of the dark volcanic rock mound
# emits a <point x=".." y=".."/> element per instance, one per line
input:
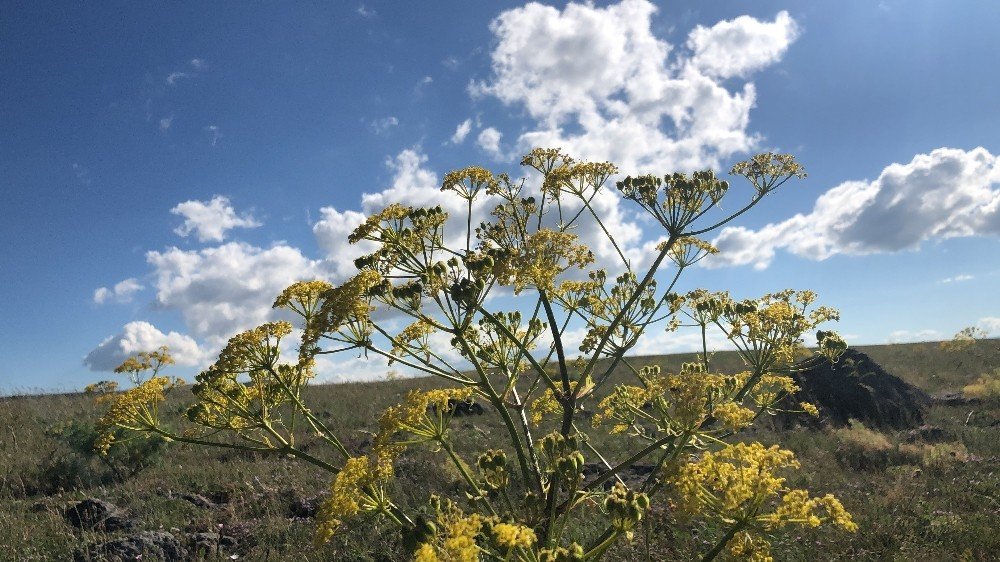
<point x="855" y="387"/>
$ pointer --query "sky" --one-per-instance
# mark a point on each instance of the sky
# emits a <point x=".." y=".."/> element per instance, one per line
<point x="167" y="169"/>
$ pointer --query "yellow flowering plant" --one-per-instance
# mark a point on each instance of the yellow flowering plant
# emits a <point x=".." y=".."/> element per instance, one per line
<point x="524" y="497"/>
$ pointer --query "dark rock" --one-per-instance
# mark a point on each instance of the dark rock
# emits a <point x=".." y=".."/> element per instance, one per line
<point x="927" y="434"/>
<point x="304" y="508"/>
<point x="953" y="399"/>
<point x="199" y="500"/>
<point x="157" y="545"/>
<point x="855" y="387"/>
<point x="461" y="408"/>
<point x="211" y="543"/>
<point x="98" y="515"/>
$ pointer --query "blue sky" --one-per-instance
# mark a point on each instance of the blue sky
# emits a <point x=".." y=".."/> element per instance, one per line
<point x="166" y="169"/>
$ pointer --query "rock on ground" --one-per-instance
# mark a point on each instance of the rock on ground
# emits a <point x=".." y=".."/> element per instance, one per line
<point x="156" y="545"/>
<point x="855" y="387"/>
<point x="93" y="514"/>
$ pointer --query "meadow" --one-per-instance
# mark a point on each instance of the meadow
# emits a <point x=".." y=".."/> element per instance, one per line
<point x="912" y="500"/>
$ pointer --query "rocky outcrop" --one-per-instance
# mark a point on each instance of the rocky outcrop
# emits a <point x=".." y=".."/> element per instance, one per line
<point x="155" y="545"/>
<point x="855" y="387"/>
<point x="93" y="514"/>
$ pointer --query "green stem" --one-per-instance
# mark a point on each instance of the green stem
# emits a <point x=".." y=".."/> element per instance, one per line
<point x="739" y="526"/>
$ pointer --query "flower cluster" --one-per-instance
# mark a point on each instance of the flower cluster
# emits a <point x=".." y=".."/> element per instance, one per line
<point x="522" y="499"/>
<point x="143" y="361"/>
<point x="136" y="409"/>
<point x="738" y="483"/>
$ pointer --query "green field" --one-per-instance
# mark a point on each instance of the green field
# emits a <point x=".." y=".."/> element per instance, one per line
<point x="909" y="505"/>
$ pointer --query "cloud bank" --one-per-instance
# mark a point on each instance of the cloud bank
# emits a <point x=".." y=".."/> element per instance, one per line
<point x="946" y="193"/>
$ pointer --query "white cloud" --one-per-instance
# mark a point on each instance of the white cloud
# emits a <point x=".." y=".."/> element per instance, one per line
<point x="461" y="131"/>
<point x="597" y="82"/>
<point x="173" y="77"/>
<point x="166" y="122"/>
<point x="122" y="292"/>
<point x="365" y="11"/>
<point x="908" y="336"/>
<point x="199" y="64"/>
<point x="142" y="336"/>
<point x="947" y="193"/>
<point x="380" y="126"/>
<point x="213" y="134"/>
<point x="331" y="232"/>
<point x="991" y="325"/>
<point x="489" y="141"/>
<point x="210" y="220"/>
<point x="222" y="290"/>
<point x="740" y="46"/>
<point x="958" y="278"/>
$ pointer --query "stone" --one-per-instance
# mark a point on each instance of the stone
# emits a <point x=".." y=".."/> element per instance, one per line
<point x="93" y="514"/>
<point x="156" y="545"/>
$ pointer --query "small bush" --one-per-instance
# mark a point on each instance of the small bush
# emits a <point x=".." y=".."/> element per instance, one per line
<point x="864" y="449"/>
<point x="79" y="465"/>
<point x="986" y="387"/>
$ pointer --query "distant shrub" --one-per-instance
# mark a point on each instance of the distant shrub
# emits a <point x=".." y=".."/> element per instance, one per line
<point x="80" y="465"/>
<point x="861" y="448"/>
<point x="943" y="455"/>
<point x="986" y="387"/>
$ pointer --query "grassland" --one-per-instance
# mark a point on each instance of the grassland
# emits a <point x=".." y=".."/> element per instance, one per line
<point x="911" y="503"/>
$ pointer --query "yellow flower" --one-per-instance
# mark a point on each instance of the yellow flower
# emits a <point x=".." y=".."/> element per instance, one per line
<point x="810" y="409"/>
<point x="510" y="536"/>
<point x="135" y="409"/>
<point x="733" y="416"/>
<point x="544" y="405"/>
<point x="456" y="539"/>
<point x="423" y="414"/>
<point x="467" y="182"/>
<point x="425" y="553"/>
<point x="734" y="480"/>
<point x="749" y="547"/>
<point x="348" y="497"/>
<point x="545" y="254"/>
<point x="302" y="297"/>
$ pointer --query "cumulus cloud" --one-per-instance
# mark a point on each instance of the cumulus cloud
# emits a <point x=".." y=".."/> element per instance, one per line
<point x="489" y="141"/>
<point x="142" y="336"/>
<point x="461" y="131"/>
<point x="740" y="46"/>
<point x="944" y="194"/>
<point x="228" y="288"/>
<point x="598" y="82"/>
<point x="122" y="292"/>
<point x="210" y="220"/>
